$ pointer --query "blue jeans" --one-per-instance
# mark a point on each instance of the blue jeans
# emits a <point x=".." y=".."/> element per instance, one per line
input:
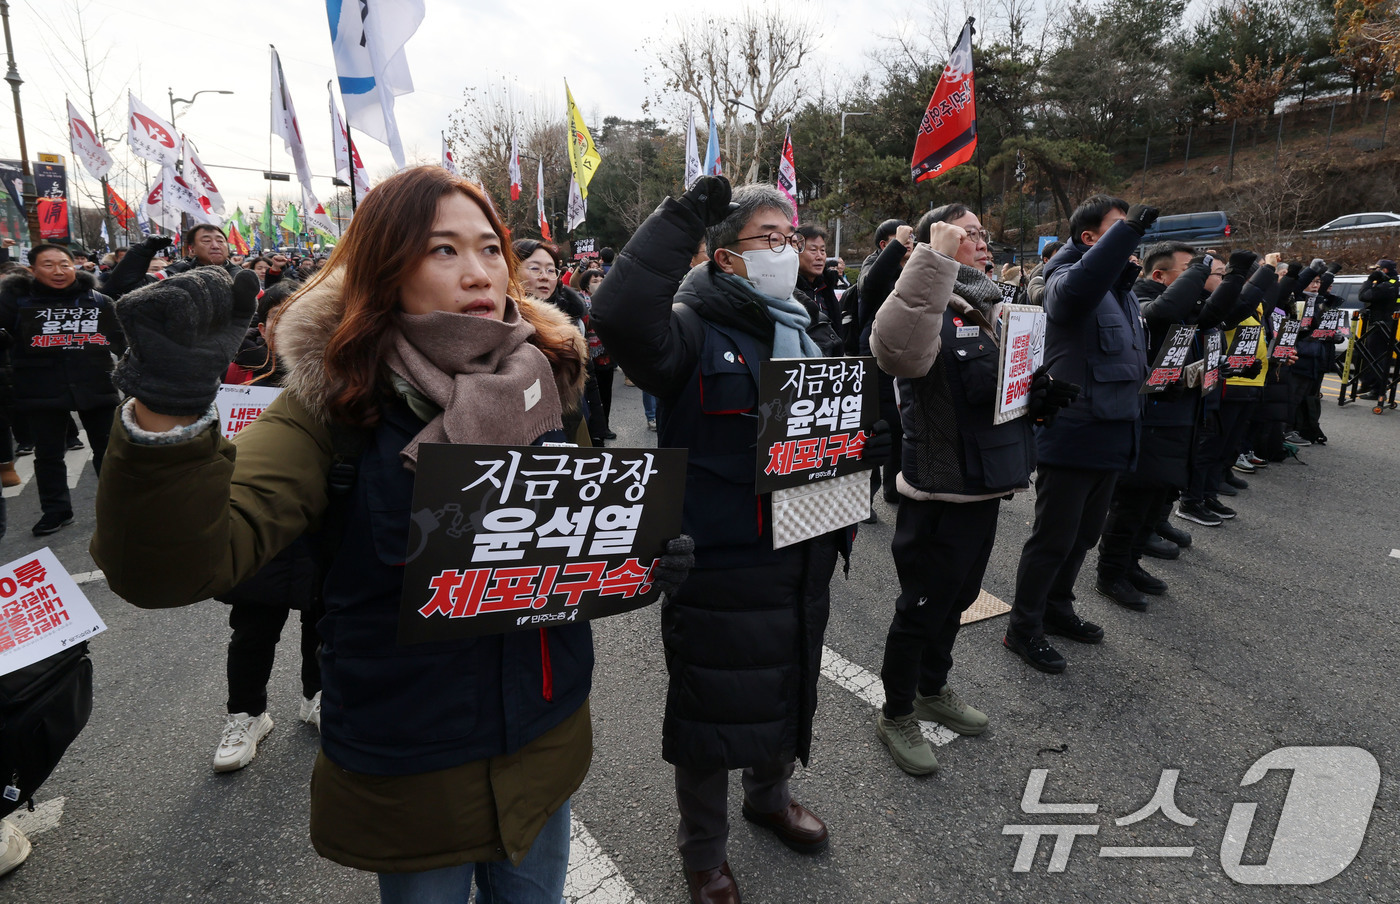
<point x="649" y="405"/>
<point x="539" y="879"/>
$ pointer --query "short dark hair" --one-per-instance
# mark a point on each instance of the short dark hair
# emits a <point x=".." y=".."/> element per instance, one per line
<point x="523" y="248"/>
<point x="1088" y="217"/>
<point x="945" y="214"/>
<point x="606" y="255"/>
<point x="47" y="246"/>
<point x="1163" y="253"/>
<point x="584" y="280"/>
<point x="886" y="230"/>
<point x="197" y="228"/>
<point x="273" y="296"/>
<point x="809" y="231"/>
<point x="1050" y="249"/>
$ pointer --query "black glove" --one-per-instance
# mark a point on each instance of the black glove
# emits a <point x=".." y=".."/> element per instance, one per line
<point x="1174" y="392"/>
<point x="1253" y="369"/>
<point x="708" y="199"/>
<point x="879" y="445"/>
<point x="1140" y="217"/>
<point x="1336" y="268"/>
<point x="181" y="334"/>
<point x="157" y="243"/>
<point x="1294" y="269"/>
<point x="1240" y="262"/>
<point x="673" y="567"/>
<point x="1048" y="396"/>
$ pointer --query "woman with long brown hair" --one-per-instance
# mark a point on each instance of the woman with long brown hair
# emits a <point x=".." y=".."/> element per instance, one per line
<point x="441" y="763"/>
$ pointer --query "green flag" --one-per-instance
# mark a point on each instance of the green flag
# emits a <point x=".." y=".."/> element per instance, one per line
<point x="290" y="221"/>
<point x="237" y="220"/>
<point x="265" y="224"/>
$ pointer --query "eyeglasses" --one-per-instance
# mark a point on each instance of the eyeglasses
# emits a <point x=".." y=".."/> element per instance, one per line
<point x="978" y="236"/>
<point x="535" y="270"/>
<point x="776" y="241"/>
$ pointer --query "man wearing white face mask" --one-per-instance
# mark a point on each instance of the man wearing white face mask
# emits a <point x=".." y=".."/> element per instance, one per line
<point x="743" y="635"/>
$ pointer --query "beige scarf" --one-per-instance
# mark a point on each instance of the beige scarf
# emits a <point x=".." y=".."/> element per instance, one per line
<point x="492" y="385"/>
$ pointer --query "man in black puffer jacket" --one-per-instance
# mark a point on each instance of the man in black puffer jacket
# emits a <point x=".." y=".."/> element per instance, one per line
<point x="65" y="334"/>
<point x="743" y="634"/>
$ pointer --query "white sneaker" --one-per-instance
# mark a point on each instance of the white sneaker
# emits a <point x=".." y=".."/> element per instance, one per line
<point x="14" y="847"/>
<point x="239" y="744"/>
<point x="311" y="710"/>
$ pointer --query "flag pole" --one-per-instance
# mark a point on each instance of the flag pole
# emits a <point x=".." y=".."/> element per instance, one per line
<point x="350" y="149"/>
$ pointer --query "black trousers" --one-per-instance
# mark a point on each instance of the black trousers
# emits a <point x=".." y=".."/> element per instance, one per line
<point x="1133" y="514"/>
<point x="1307" y="405"/>
<point x="49" y="429"/>
<point x="256" y="630"/>
<point x="703" y="799"/>
<point x="940" y="552"/>
<point x="1070" y="507"/>
<point x="604" y="375"/>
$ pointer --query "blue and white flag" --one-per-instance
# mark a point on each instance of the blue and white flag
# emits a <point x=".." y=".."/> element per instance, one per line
<point x="714" y="166"/>
<point x="368" y="38"/>
<point x="692" y="153"/>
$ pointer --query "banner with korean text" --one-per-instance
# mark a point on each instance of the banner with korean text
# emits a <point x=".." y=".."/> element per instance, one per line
<point x="1022" y="350"/>
<point x="41" y="611"/>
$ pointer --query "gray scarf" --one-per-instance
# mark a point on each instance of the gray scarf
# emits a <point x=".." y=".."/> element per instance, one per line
<point x="974" y="287"/>
<point x="790" y="321"/>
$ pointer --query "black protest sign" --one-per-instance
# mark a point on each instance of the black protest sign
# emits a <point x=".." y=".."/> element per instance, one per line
<point x="1215" y="346"/>
<point x="1243" y="349"/>
<point x="814" y="416"/>
<point x="1012" y="294"/>
<point x="1171" y="359"/>
<point x="1285" y="342"/>
<point x="504" y="538"/>
<point x="1309" y="311"/>
<point x="1331" y="324"/>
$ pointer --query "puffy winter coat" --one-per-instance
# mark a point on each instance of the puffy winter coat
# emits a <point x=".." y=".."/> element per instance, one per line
<point x="64" y="343"/>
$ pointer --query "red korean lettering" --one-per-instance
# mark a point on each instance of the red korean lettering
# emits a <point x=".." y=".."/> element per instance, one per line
<point x="592" y="574"/>
<point x="808" y="455"/>
<point x="780" y="458"/>
<point x="30" y="573"/>
<point x="627" y="580"/>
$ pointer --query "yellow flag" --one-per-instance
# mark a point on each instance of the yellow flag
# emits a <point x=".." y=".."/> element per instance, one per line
<point x="583" y="154"/>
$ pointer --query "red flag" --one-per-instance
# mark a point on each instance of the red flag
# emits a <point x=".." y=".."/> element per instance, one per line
<point x="236" y="240"/>
<point x="117" y="207"/>
<point x="948" y="132"/>
<point x="53" y="219"/>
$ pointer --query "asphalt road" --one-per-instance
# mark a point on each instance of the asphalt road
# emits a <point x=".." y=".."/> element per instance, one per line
<point x="1278" y="630"/>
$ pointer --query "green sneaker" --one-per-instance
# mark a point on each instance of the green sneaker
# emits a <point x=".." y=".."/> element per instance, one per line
<point x="907" y="744"/>
<point x="947" y="707"/>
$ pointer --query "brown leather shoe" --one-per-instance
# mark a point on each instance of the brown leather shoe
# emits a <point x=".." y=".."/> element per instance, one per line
<point x="797" y="827"/>
<point x="713" y="886"/>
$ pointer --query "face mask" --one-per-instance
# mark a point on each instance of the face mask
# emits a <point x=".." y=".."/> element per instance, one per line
<point x="774" y="275"/>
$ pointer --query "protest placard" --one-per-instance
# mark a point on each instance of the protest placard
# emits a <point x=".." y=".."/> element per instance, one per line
<point x="1243" y="349"/>
<point x="504" y="538"/>
<point x="1022" y="351"/>
<point x="814" y="415"/>
<point x="1331" y="324"/>
<point x="41" y="611"/>
<point x="1215" y="345"/>
<point x="1171" y="359"/>
<point x="240" y="405"/>
<point x="1285" y="347"/>
<point x="1305" y="320"/>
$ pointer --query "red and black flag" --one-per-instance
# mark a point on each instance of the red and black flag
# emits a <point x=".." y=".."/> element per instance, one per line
<point x="948" y="132"/>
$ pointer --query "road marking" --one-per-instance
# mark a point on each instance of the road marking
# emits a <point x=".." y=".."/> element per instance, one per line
<point x="75" y="461"/>
<point x="86" y="577"/>
<point x="868" y="687"/>
<point x="593" y="877"/>
<point x="1395" y="553"/>
<point x="45" y="816"/>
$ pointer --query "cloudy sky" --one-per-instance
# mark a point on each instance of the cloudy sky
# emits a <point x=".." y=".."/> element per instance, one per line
<point x="200" y="44"/>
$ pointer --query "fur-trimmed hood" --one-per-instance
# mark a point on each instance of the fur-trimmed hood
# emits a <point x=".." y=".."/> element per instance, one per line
<point x="303" y="326"/>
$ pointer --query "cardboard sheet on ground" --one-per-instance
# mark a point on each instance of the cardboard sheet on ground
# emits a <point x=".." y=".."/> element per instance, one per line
<point x="507" y="538"/>
<point x="1022" y="350"/>
<point x="240" y="405"/>
<point x="41" y="611"/>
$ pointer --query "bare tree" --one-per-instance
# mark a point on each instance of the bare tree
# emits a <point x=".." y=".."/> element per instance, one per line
<point x="729" y="66"/>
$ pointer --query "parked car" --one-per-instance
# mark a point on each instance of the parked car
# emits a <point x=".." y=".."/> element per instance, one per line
<point x="1195" y="228"/>
<point x="1348" y="288"/>
<point x="1353" y="221"/>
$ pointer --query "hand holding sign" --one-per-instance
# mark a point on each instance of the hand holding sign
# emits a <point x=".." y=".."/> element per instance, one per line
<point x="1048" y="396"/>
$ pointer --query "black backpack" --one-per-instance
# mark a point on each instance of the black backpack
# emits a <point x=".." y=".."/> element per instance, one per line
<point x="43" y="707"/>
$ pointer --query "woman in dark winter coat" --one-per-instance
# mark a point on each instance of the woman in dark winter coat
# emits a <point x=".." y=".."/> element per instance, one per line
<point x="586" y="283"/>
<point x="442" y="763"/>
<point x="65" y="334"/>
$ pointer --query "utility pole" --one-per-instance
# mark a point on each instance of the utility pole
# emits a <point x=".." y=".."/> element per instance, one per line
<point x="30" y="198"/>
<point x="842" y="157"/>
<point x="108" y="220"/>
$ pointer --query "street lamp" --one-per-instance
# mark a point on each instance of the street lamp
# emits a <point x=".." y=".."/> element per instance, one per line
<point x="837" y="251"/>
<point x="188" y="100"/>
<point x="28" y="197"/>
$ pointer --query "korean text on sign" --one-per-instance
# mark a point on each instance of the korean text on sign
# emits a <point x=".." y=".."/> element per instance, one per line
<point x="239" y="406"/>
<point x="41" y="611"/>
<point x="815" y="415"/>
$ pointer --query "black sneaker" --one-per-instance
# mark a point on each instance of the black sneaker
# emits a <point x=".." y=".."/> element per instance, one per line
<point x="1238" y="483"/>
<point x="1145" y="582"/>
<point x="21" y="451"/>
<point x="609" y="435"/>
<point x="51" y="523"/>
<point x="1168" y="531"/>
<point x="1123" y="593"/>
<point x="1226" y="490"/>
<point x="1036" y="652"/>
<point x="1077" y="630"/>
<point x="1319" y="440"/>
<point x="1370" y="396"/>
<point x="1296" y="439"/>
<point x="1197" y="512"/>
<point x="1224" y="511"/>
<point x="1161" y="548"/>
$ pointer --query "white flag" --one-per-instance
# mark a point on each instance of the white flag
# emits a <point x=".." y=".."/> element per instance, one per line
<point x="86" y="147"/>
<point x="314" y="214"/>
<point x="447" y="162"/>
<point x="284" y="122"/>
<point x="515" y="179"/>
<point x="150" y="136"/>
<point x="692" y="153"/>
<point x="578" y="205"/>
<point x="198" y="178"/>
<point x="340" y="140"/>
<point x="106" y="242"/>
<point x="169" y="198"/>
<point x="367" y="38"/>
<point x="539" y="201"/>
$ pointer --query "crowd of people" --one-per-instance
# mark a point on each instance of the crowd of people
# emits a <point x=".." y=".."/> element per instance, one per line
<point x="429" y="324"/>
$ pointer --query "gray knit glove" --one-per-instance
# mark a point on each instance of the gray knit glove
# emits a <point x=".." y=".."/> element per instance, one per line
<point x="673" y="567"/>
<point x="181" y="334"/>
